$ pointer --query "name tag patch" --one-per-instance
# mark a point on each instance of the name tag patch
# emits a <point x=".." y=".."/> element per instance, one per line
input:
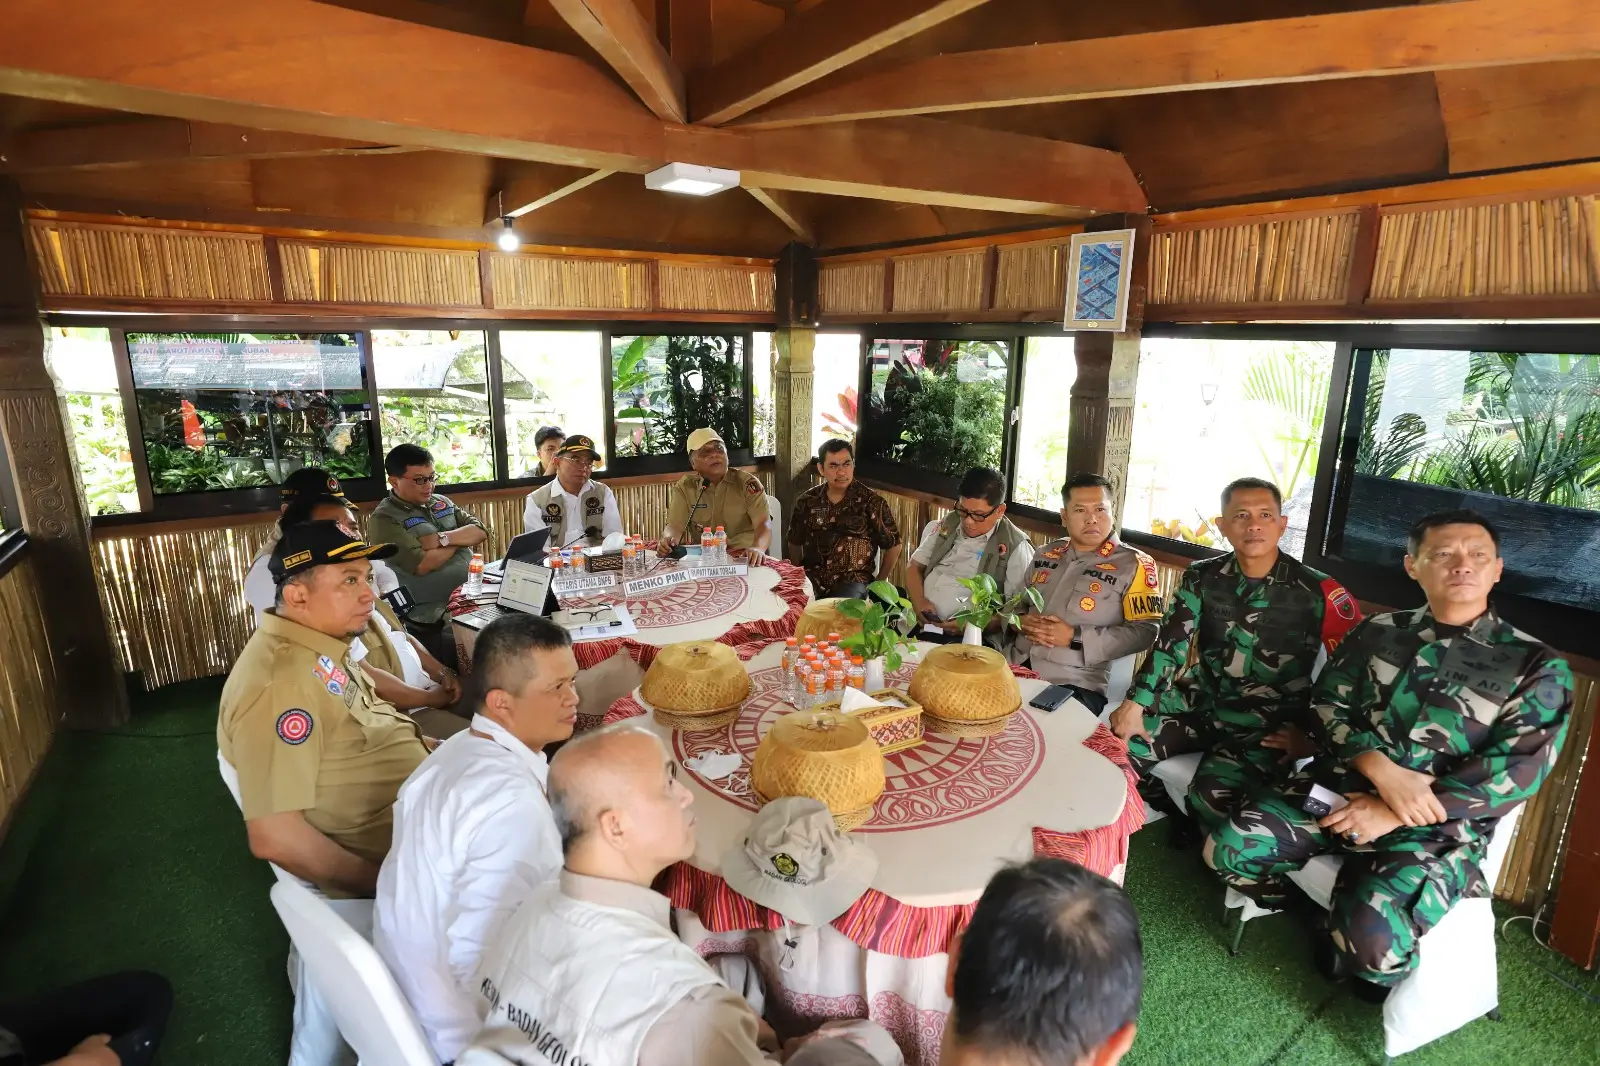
<point x="417" y="521"/>
<point x="294" y="726"/>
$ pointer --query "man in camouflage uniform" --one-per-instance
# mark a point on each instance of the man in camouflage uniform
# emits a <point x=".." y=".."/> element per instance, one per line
<point x="1434" y="723"/>
<point x="1245" y="701"/>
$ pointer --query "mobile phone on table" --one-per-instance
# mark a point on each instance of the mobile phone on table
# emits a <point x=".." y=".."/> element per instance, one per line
<point x="1050" y="698"/>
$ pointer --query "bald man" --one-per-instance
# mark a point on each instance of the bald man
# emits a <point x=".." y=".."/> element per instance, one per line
<point x="588" y="969"/>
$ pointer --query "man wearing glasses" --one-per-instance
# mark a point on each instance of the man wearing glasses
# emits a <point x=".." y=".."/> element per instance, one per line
<point x="840" y="525"/>
<point x="573" y="506"/>
<point x="435" y="538"/>
<point x="717" y="495"/>
<point x="976" y="538"/>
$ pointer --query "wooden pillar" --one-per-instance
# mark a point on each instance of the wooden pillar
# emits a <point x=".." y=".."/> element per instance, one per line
<point x="1100" y="433"/>
<point x="1575" y="930"/>
<point x="795" y="341"/>
<point x="48" y="500"/>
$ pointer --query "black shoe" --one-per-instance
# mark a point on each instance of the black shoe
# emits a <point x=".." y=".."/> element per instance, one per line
<point x="1328" y="962"/>
<point x="1183" y="834"/>
<point x="1368" y="992"/>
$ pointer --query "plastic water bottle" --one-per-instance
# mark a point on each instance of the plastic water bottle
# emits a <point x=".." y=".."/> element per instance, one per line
<point x="630" y="557"/>
<point x="856" y="678"/>
<point x="707" y="540"/>
<point x="566" y="560"/>
<point x="791" y="660"/>
<point x="816" y="683"/>
<point x="801" y="680"/>
<point x="580" y="562"/>
<point x="835" y="678"/>
<point x="475" y="575"/>
<point x="721" y="549"/>
<point x="834" y="638"/>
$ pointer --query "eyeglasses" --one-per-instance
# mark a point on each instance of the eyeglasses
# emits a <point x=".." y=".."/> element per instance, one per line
<point x="423" y="480"/>
<point x="575" y="461"/>
<point x="975" y="516"/>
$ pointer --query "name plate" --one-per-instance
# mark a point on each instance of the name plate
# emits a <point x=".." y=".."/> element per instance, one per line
<point x="669" y="578"/>
<point x="709" y="573"/>
<point x="571" y="583"/>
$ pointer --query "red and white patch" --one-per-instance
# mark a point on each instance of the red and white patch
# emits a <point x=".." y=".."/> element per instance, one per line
<point x="1340" y="601"/>
<point x="753" y="487"/>
<point x="294" y="726"/>
<point x="1149" y="565"/>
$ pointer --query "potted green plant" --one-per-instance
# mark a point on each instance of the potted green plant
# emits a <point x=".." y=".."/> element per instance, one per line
<point x="886" y="620"/>
<point x="989" y="602"/>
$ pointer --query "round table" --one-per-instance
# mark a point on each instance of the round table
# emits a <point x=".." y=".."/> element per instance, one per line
<point x="748" y="613"/>
<point x="953" y="811"/>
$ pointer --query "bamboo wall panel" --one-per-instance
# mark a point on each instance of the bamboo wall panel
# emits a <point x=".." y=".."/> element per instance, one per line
<point x="697" y="287"/>
<point x="1527" y="248"/>
<point x="80" y="259"/>
<point x="851" y="288"/>
<point x="1294" y="260"/>
<point x="363" y="274"/>
<point x="560" y="283"/>
<point x="28" y="711"/>
<point x="943" y="281"/>
<point x="1032" y="276"/>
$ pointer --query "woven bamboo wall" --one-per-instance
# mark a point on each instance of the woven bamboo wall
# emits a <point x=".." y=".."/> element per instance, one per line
<point x="535" y="282"/>
<point x="1528" y="248"/>
<point x="1534" y="861"/>
<point x="942" y="281"/>
<point x="1295" y="260"/>
<point x="1032" y="276"/>
<point x="851" y="288"/>
<point x="698" y="287"/>
<point x="362" y="274"/>
<point x="80" y="259"/>
<point x="28" y="711"/>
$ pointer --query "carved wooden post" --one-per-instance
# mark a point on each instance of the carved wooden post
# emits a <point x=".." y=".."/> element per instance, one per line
<point x="34" y="438"/>
<point x="795" y="341"/>
<point x="1100" y="434"/>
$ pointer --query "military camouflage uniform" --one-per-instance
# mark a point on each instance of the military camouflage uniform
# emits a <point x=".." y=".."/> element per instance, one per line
<point x="1483" y="709"/>
<point x="1258" y="644"/>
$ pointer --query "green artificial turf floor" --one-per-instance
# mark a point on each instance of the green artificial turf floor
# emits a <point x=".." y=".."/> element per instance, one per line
<point x="129" y="853"/>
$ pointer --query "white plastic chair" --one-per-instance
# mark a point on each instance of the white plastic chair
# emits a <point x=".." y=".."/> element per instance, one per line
<point x="1456" y="980"/>
<point x="775" y="525"/>
<point x="371" y="1011"/>
<point x="1120" y="681"/>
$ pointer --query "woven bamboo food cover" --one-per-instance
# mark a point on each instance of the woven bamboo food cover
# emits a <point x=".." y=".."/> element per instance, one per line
<point x="822" y="617"/>
<point x="824" y="755"/>
<point x="965" y="683"/>
<point x="696" y="677"/>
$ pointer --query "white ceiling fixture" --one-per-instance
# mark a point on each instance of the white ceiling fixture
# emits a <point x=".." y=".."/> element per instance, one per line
<point x="691" y="180"/>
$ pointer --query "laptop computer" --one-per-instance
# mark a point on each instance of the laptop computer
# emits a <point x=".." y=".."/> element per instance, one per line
<point x="524" y="546"/>
<point x="524" y="589"/>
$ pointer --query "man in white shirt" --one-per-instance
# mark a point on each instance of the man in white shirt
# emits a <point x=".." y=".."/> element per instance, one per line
<point x="975" y="538"/>
<point x="573" y="507"/>
<point x="473" y="831"/>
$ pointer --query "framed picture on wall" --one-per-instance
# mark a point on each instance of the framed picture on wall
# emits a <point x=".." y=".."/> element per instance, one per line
<point x="1099" y="266"/>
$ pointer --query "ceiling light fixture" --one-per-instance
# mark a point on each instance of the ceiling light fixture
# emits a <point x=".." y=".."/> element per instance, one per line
<point x="691" y="180"/>
<point x="508" y="239"/>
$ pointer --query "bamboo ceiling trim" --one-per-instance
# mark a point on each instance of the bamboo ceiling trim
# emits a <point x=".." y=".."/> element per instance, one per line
<point x="1526" y="248"/>
<point x="851" y="288"/>
<point x="28" y="710"/>
<point x="558" y="283"/>
<point x="948" y="281"/>
<point x="76" y="259"/>
<point x="1032" y="276"/>
<point x="685" y="287"/>
<point x="365" y="274"/>
<point x="1294" y="261"/>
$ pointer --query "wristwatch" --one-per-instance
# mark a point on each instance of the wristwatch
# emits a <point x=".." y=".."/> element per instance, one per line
<point x="444" y="538"/>
<point x="1075" y="644"/>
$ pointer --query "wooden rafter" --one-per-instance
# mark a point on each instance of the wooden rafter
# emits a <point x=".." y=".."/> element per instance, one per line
<point x="788" y="210"/>
<point x="530" y="186"/>
<point x="813" y="44"/>
<point x="157" y="140"/>
<point x="267" y="65"/>
<point x="617" y="30"/>
<point x="1357" y="44"/>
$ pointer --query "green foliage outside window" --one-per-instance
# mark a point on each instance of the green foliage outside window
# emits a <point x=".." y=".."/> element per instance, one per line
<point x="664" y="388"/>
<point x="940" y="405"/>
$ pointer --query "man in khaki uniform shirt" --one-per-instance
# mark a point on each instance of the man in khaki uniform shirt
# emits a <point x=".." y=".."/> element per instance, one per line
<point x="319" y="757"/>
<point x="1101" y="600"/>
<point x="715" y="495"/>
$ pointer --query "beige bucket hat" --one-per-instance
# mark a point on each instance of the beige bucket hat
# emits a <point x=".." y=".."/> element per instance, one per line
<point x="793" y="859"/>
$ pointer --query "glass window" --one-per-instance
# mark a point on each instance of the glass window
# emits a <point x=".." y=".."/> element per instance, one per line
<point x="85" y="369"/>
<point x="764" y="419"/>
<point x="433" y="391"/>
<point x="836" y="378"/>
<point x="938" y="405"/>
<point x="549" y="378"/>
<point x="239" y="410"/>
<point x="665" y="387"/>
<point x="1209" y="411"/>
<point x="1049" y="367"/>
<point x="1512" y="435"/>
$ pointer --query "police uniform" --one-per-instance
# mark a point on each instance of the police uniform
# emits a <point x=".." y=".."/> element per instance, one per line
<point x="1109" y="596"/>
<point x="1483" y="709"/>
<point x="404" y="524"/>
<point x="736" y="503"/>
<point x="1258" y="641"/>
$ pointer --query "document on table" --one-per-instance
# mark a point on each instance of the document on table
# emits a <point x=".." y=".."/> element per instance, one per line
<point x="599" y="623"/>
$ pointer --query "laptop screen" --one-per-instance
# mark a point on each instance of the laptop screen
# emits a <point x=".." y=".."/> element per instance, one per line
<point x="524" y="585"/>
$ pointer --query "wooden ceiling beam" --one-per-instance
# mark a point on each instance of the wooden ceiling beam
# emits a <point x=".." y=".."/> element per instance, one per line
<point x="160" y="140"/>
<point x="618" y="31"/>
<point x="1358" y="44"/>
<point x="815" y="43"/>
<point x="787" y="208"/>
<point x="307" y="67"/>
<point x="526" y="187"/>
<point x="684" y="27"/>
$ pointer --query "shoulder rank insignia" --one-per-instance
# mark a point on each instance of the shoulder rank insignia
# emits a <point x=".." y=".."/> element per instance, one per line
<point x="1107" y="548"/>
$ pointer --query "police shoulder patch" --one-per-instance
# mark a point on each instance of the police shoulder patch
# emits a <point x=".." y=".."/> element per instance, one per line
<point x="753" y="486"/>
<point x="294" y="726"/>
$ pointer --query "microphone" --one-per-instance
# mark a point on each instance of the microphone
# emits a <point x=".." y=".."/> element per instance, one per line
<point x="705" y="483"/>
